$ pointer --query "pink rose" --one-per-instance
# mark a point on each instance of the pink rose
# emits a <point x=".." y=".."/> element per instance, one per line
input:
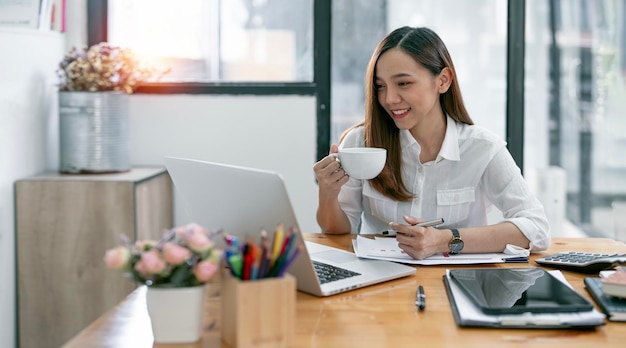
<point x="184" y="231"/>
<point x="199" y="242"/>
<point x="181" y="232"/>
<point x="150" y="263"/>
<point x="205" y="270"/>
<point x="175" y="254"/>
<point x="195" y="228"/>
<point x="117" y="257"/>
<point x="145" y="244"/>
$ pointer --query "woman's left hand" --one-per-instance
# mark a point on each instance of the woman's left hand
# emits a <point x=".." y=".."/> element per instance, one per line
<point x="419" y="242"/>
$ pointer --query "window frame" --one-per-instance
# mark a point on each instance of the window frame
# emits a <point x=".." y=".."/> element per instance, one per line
<point x="97" y="31"/>
<point x="97" y="27"/>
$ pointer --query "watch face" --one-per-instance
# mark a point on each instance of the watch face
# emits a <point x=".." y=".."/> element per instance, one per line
<point x="456" y="245"/>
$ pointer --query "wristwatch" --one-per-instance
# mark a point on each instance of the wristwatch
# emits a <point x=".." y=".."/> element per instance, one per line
<point x="456" y="243"/>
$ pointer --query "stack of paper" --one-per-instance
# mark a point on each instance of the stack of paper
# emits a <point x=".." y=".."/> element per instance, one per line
<point x="615" y="284"/>
<point x="387" y="249"/>
<point x="19" y="13"/>
<point x="614" y="307"/>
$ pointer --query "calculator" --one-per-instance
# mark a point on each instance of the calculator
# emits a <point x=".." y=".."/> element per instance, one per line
<point x="582" y="262"/>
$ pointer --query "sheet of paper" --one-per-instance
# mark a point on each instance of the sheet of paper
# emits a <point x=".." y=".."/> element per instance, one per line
<point x="387" y="249"/>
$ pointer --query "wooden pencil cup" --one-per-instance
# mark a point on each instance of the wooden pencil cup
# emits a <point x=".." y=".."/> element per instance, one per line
<point x="258" y="313"/>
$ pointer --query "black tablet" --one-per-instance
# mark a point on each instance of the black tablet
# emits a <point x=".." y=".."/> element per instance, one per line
<point x="518" y="290"/>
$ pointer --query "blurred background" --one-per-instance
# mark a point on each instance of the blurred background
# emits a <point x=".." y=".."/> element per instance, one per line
<point x="574" y="135"/>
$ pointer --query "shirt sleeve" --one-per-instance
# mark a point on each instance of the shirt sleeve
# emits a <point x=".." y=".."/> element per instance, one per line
<point x="508" y="191"/>
<point x="350" y="196"/>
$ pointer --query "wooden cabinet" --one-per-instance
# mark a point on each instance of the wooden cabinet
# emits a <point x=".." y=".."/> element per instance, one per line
<point x="64" y="225"/>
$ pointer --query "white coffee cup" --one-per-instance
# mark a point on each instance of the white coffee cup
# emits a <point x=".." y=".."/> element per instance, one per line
<point x="362" y="162"/>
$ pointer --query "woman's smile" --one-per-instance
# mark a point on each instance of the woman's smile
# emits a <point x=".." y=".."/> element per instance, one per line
<point x="399" y="113"/>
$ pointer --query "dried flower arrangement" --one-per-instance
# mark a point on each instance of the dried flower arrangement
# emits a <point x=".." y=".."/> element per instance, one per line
<point x="103" y="67"/>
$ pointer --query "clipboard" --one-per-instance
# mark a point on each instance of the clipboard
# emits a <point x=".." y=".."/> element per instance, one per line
<point x="466" y="314"/>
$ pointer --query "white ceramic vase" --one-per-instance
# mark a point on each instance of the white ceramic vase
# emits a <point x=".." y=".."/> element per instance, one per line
<point x="176" y="313"/>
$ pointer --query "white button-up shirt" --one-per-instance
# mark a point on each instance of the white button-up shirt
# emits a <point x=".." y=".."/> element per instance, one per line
<point x="473" y="171"/>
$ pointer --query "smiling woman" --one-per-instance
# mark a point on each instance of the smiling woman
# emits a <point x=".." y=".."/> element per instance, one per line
<point x="219" y="40"/>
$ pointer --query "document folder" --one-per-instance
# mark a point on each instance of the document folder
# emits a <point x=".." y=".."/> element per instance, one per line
<point x="466" y="314"/>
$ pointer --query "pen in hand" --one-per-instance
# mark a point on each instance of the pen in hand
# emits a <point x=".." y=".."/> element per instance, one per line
<point x="420" y="298"/>
<point x="391" y="233"/>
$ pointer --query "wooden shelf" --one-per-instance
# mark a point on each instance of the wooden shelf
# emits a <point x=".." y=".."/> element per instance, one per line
<point x="64" y="225"/>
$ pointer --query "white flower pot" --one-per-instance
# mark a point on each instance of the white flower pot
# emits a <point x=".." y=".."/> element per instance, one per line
<point x="176" y="313"/>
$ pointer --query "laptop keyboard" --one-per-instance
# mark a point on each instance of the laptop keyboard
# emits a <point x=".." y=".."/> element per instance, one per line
<point x="328" y="273"/>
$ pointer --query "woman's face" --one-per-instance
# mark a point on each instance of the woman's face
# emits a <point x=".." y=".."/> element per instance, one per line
<point x="408" y="91"/>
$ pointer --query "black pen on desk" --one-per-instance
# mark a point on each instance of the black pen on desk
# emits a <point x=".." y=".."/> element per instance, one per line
<point x="420" y="298"/>
<point x="430" y="223"/>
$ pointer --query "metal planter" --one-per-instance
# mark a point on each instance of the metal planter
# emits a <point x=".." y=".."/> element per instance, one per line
<point x="94" y="132"/>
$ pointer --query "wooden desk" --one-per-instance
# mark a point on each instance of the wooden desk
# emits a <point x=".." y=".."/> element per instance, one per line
<point x="382" y="315"/>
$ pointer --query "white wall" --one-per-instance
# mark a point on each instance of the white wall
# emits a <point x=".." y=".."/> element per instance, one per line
<point x="28" y="139"/>
<point x="28" y="129"/>
<point x="275" y="133"/>
<point x="271" y="132"/>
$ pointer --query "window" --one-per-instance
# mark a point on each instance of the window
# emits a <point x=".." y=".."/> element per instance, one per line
<point x="224" y="69"/>
<point x="575" y="85"/>
<point x="219" y="40"/>
<point x="575" y="104"/>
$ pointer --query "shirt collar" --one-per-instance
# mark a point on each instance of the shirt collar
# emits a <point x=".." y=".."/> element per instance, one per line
<point x="449" y="148"/>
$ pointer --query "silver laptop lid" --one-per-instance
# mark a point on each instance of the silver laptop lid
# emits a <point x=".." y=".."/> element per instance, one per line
<point x="242" y="201"/>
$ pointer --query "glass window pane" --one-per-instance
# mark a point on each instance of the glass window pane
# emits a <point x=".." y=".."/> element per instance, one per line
<point x="575" y="106"/>
<point x="219" y="40"/>
<point x="473" y="31"/>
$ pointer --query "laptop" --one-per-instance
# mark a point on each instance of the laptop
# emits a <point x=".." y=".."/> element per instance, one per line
<point x="242" y="201"/>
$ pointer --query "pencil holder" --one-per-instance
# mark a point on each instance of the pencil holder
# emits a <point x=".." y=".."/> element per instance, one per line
<point x="258" y="313"/>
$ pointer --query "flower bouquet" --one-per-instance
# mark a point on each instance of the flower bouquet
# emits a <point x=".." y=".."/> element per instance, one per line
<point x="184" y="257"/>
<point x="175" y="270"/>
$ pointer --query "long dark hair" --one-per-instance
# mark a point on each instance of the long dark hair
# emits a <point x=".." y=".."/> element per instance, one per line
<point x="427" y="48"/>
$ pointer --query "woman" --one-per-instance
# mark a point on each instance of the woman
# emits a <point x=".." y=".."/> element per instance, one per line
<point x="439" y="165"/>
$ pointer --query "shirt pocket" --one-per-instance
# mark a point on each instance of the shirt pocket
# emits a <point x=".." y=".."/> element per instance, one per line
<point x="379" y="206"/>
<point x="454" y="205"/>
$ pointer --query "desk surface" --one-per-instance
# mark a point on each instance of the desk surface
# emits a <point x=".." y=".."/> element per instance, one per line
<point x="376" y="316"/>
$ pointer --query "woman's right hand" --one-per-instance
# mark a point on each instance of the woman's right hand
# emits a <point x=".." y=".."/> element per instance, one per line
<point x="330" y="176"/>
